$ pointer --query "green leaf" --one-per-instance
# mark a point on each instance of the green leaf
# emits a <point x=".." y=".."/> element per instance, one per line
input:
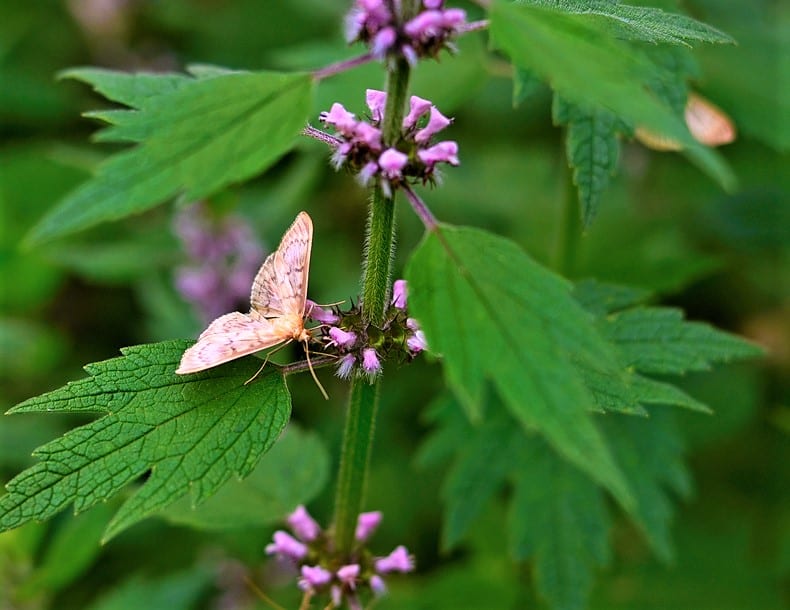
<point x="195" y="137"/>
<point x="650" y="452"/>
<point x="73" y="548"/>
<point x="657" y="340"/>
<point x="180" y="591"/>
<point x="181" y="434"/>
<point x="497" y="316"/>
<point x="587" y="65"/>
<point x="293" y="472"/>
<point x="559" y="519"/>
<point x="593" y="150"/>
<point x="642" y="23"/>
<point x="479" y="471"/>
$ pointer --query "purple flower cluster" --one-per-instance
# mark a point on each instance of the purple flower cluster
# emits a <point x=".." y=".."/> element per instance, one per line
<point x="360" y="346"/>
<point x="381" y="28"/>
<point x="309" y="550"/>
<point x="224" y="257"/>
<point x="358" y="144"/>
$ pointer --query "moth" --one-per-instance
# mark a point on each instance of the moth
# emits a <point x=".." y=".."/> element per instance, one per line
<point x="277" y="307"/>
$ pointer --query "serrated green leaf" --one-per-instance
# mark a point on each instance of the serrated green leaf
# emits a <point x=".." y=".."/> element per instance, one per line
<point x="593" y="151"/>
<point x="184" y="434"/>
<point x="600" y="298"/>
<point x="559" y="519"/>
<point x="495" y="315"/>
<point x="643" y="23"/>
<point x="650" y="452"/>
<point x="659" y="341"/>
<point x="587" y="65"/>
<point x="293" y="472"/>
<point x="649" y="391"/>
<point x="194" y="139"/>
<point x="479" y="470"/>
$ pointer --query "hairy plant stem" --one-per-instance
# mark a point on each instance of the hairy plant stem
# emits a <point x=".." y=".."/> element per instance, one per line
<point x="376" y="279"/>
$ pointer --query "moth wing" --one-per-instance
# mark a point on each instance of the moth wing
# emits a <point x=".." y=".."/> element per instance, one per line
<point x="229" y="337"/>
<point x="280" y="287"/>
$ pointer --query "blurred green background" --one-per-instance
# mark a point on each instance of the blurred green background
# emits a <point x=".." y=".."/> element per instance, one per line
<point x="663" y="226"/>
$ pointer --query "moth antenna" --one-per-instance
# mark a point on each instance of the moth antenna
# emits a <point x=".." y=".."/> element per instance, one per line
<point x="266" y="599"/>
<point x="266" y="360"/>
<point x="312" y="372"/>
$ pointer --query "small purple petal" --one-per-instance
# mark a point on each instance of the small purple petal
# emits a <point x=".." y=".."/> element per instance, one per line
<point x="425" y="25"/>
<point x="443" y="152"/>
<point x="412" y="324"/>
<point x="397" y="561"/>
<point x="399" y="293"/>
<point x="320" y="314"/>
<point x="341" y="338"/>
<point x="346" y="366"/>
<point x="453" y="18"/>
<point x="377" y="585"/>
<point x="286" y="545"/>
<point x="433" y="4"/>
<point x="314" y="577"/>
<point x="382" y="42"/>
<point x="436" y="123"/>
<point x="391" y="162"/>
<point x="303" y="525"/>
<point x="366" y="134"/>
<point x="410" y="54"/>
<point x="336" y="593"/>
<point x="367" y="524"/>
<point x="370" y="361"/>
<point x="376" y="101"/>
<point x="339" y="118"/>
<point x="417" y="343"/>
<point x="366" y="173"/>
<point x="417" y="108"/>
<point x="348" y="575"/>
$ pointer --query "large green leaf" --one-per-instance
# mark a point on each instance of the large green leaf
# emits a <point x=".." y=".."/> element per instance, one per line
<point x="196" y="135"/>
<point x="586" y="64"/>
<point x="497" y="316"/>
<point x="644" y="23"/>
<point x="293" y="472"/>
<point x="182" y="434"/>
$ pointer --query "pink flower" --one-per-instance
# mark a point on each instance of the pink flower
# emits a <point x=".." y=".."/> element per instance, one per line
<point x="428" y="24"/>
<point x="314" y="577"/>
<point x="377" y="585"/>
<point x="399" y="293"/>
<point x="417" y="343"/>
<point x="341" y="338"/>
<point x="410" y="54"/>
<point x="367" y="172"/>
<point x="433" y="4"/>
<point x="319" y="314"/>
<point x="443" y="152"/>
<point x="340" y="118"/>
<point x="303" y="524"/>
<point x="417" y="108"/>
<point x="376" y="101"/>
<point x="366" y="134"/>
<point x="436" y="123"/>
<point x="348" y="575"/>
<point x="397" y="561"/>
<point x="453" y="18"/>
<point x="286" y="545"/>
<point x="346" y="366"/>
<point x="367" y="524"/>
<point x="370" y="361"/>
<point x="391" y="162"/>
<point x="382" y="42"/>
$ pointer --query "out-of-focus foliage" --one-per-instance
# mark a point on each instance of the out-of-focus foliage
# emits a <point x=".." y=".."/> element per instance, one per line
<point x="660" y="226"/>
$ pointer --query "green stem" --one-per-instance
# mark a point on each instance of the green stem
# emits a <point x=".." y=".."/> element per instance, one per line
<point x="376" y="279"/>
